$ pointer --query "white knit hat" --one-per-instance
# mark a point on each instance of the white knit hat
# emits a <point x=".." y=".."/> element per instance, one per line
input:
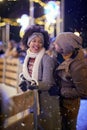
<point x="35" y="35"/>
<point x="68" y="41"/>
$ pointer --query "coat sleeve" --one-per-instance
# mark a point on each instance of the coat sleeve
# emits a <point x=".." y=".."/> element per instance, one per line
<point x="79" y="76"/>
<point x="46" y="73"/>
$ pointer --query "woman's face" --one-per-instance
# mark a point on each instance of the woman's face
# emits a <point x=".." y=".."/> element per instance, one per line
<point x="36" y="45"/>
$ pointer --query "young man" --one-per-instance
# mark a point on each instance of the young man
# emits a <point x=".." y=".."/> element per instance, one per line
<point x="71" y="77"/>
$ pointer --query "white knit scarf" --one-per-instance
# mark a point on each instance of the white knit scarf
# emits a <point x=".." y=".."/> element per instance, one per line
<point x="38" y="57"/>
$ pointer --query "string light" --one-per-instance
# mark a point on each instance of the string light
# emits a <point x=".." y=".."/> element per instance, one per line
<point x="1" y="0"/>
<point x="39" y="20"/>
<point x="40" y="2"/>
<point x="12" y="0"/>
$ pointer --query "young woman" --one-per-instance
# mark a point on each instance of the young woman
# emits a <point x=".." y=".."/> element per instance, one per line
<point x="39" y="67"/>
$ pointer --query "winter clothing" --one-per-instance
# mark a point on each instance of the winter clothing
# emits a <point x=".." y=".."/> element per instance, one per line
<point x="35" y="35"/>
<point x="35" y="66"/>
<point x="67" y="42"/>
<point x="69" y="100"/>
<point x="42" y="74"/>
<point x="78" y="70"/>
<point x="72" y="74"/>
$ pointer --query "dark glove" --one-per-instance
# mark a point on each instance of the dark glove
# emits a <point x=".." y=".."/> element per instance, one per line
<point x="33" y="85"/>
<point x="54" y="91"/>
<point x="24" y="85"/>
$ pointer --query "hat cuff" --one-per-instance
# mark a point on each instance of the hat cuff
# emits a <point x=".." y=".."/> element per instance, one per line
<point x="35" y="35"/>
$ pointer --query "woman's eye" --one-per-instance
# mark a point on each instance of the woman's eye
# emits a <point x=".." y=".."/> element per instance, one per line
<point x="40" y="42"/>
<point x="33" y="40"/>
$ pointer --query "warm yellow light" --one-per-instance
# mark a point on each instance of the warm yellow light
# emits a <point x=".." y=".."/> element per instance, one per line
<point x="1" y="0"/>
<point x="40" y="2"/>
<point x="18" y="20"/>
<point x="21" y="33"/>
<point x="77" y="33"/>
<point x="2" y="24"/>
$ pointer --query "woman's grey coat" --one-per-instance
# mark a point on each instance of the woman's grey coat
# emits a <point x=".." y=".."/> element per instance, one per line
<point x="49" y="118"/>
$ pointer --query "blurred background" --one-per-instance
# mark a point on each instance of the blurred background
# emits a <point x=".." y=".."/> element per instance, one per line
<point x="55" y="15"/>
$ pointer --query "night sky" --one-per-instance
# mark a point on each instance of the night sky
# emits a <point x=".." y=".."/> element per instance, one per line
<point x="15" y="9"/>
<point x="75" y="13"/>
<point x="76" y="17"/>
